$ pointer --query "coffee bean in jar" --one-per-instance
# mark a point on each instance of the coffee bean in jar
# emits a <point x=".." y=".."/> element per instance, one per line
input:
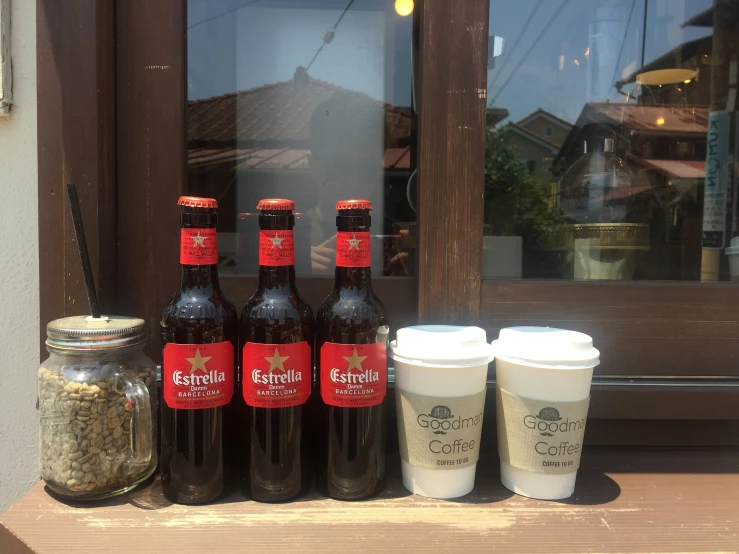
<point x="97" y="407"/>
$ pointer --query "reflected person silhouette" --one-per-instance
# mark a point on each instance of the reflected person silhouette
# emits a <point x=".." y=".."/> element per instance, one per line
<point x="347" y="142"/>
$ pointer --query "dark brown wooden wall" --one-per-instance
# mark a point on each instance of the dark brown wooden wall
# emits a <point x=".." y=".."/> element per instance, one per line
<point x="111" y="118"/>
<point x="641" y="328"/>
<point x="76" y="144"/>
<point x="151" y="100"/>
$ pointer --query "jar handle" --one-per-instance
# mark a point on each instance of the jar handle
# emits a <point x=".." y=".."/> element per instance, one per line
<point x="139" y="404"/>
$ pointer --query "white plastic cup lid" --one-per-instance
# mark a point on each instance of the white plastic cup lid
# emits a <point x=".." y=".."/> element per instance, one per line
<point x="546" y="347"/>
<point x="442" y="346"/>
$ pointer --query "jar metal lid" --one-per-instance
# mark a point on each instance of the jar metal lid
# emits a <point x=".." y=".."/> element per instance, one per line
<point x="89" y="333"/>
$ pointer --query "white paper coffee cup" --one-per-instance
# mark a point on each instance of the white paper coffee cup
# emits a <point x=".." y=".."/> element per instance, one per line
<point x="543" y="378"/>
<point x="440" y="385"/>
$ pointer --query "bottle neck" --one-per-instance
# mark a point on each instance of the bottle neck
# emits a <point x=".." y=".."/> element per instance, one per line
<point x="353" y="270"/>
<point x="199" y="276"/>
<point x="352" y="278"/>
<point x="276" y="251"/>
<point x="198" y="249"/>
<point x="276" y="277"/>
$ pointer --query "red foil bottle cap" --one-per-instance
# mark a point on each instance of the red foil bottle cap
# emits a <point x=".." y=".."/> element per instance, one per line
<point x="354" y="204"/>
<point x="197" y="202"/>
<point x="276" y="204"/>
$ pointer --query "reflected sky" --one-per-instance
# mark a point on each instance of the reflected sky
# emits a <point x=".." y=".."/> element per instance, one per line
<point x="581" y="47"/>
<point x="242" y="44"/>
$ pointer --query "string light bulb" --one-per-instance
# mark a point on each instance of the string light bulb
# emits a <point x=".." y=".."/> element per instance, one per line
<point x="404" y="7"/>
<point x="660" y="121"/>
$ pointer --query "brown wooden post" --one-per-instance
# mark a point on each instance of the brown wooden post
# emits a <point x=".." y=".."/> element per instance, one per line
<point x="452" y="101"/>
<point x="76" y="144"/>
<point x="151" y="104"/>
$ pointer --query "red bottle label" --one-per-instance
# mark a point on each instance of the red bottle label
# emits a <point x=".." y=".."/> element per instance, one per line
<point x="353" y="375"/>
<point x="276" y="248"/>
<point x="276" y="375"/>
<point x="198" y="376"/>
<point x="352" y="249"/>
<point x="198" y="247"/>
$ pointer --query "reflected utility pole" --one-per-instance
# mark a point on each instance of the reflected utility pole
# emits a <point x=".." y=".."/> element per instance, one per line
<point x="644" y="33"/>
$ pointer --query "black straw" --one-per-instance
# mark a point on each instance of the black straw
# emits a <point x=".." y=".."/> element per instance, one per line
<point x="79" y="230"/>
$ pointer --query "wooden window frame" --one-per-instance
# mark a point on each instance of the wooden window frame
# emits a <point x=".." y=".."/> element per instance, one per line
<point x="110" y="114"/>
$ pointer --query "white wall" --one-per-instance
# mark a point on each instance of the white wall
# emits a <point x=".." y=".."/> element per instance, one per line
<point x="19" y="283"/>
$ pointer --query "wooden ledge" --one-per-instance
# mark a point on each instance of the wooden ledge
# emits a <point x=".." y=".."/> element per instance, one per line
<point x="627" y="500"/>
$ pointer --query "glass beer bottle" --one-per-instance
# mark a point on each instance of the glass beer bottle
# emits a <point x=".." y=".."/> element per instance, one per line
<point x="276" y="334"/>
<point x="352" y="332"/>
<point x="199" y="336"/>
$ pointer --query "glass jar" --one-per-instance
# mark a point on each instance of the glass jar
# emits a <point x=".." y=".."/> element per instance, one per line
<point x="96" y="407"/>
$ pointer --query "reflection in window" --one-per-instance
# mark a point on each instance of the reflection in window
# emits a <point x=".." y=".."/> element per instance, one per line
<point x="626" y="112"/>
<point x="309" y="100"/>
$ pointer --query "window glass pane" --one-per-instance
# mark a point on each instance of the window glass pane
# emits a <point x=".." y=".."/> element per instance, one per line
<point x="309" y="100"/>
<point x="612" y="126"/>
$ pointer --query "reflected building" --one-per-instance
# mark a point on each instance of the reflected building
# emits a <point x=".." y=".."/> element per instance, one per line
<point x="537" y="138"/>
<point x="661" y="132"/>
<point x="665" y="148"/>
<point x="307" y="140"/>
